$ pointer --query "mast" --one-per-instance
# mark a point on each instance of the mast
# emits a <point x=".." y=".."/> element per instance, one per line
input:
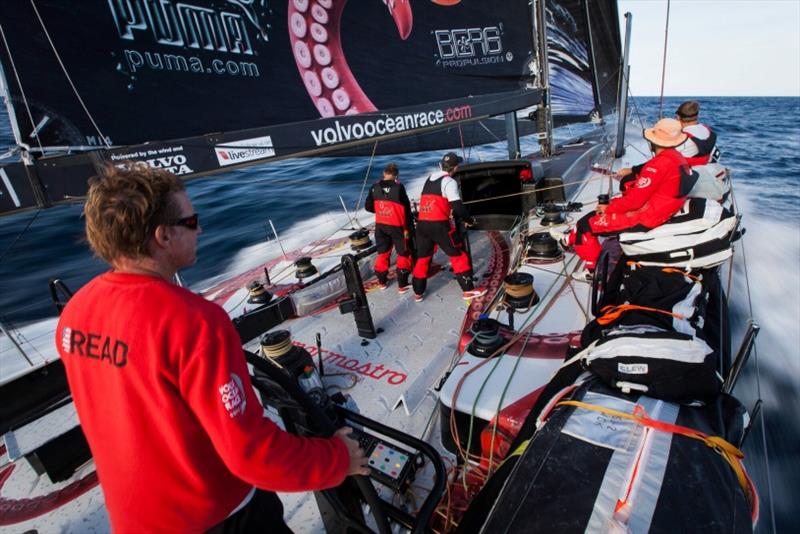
<point x="512" y="135"/>
<point x="622" y="97"/>
<point x="544" y="115"/>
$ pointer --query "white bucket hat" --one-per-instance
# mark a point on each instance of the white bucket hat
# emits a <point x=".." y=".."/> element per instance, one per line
<point x="666" y="133"/>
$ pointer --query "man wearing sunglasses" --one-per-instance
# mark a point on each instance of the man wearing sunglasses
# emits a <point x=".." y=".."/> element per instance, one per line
<point x="160" y="382"/>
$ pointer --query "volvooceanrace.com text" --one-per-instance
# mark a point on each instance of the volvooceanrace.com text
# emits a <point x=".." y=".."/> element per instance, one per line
<point x="339" y="133"/>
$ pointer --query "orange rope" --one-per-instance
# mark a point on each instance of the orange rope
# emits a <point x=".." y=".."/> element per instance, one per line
<point x="669" y="270"/>
<point x="612" y="313"/>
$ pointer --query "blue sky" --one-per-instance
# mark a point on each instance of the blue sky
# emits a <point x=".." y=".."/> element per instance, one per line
<point x="715" y="47"/>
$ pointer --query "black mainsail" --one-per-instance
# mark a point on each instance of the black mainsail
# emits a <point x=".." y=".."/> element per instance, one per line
<point x="232" y="83"/>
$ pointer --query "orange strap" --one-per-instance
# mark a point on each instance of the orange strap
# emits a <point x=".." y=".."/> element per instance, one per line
<point x="631" y="263"/>
<point x="612" y="313"/>
<point x="729" y="453"/>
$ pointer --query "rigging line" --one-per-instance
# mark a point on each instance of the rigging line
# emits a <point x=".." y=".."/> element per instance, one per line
<point x="525" y="329"/>
<point x="664" y="64"/>
<point x="537" y="314"/>
<point x="490" y="131"/>
<point x="293" y="181"/>
<point x="320" y="243"/>
<point x="64" y="68"/>
<point x="21" y="336"/>
<point x="758" y="376"/>
<point x="578" y="300"/>
<point x="366" y="177"/>
<point x="598" y="177"/>
<point x="19" y="235"/>
<point x="500" y="402"/>
<point x="635" y="107"/>
<point x="630" y="99"/>
<point x="21" y="90"/>
<point x="637" y="149"/>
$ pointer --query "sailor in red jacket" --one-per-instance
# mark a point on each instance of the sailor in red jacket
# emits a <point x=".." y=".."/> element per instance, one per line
<point x="657" y="193"/>
<point x="440" y="200"/>
<point x="700" y="147"/>
<point x="160" y="382"/>
<point x="389" y="202"/>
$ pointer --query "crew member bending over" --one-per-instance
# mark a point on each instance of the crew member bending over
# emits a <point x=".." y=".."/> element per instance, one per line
<point x="647" y="202"/>
<point x="439" y="201"/>
<point x="160" y="382"/>
<point x="387" y="199"/>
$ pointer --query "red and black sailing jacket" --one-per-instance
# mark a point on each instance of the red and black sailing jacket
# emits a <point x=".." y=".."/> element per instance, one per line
<point x="706" y="147"/>
<point x="658" y="192"/>
<point x="433" y="205"/>
<point x="388" y="200"/>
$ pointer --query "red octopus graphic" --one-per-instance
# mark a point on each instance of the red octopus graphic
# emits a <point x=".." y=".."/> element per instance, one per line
<point x="314" y="27"/>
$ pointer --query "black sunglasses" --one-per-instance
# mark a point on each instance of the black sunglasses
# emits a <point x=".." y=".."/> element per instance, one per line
<point x="191" y="222"/>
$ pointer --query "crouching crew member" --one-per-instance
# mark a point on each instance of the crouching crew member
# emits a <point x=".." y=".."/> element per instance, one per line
<point x="160" y="382"/>
<point x="656" y="194"/>
<point x="439" y="201"/>
<point x="387" y="199"/>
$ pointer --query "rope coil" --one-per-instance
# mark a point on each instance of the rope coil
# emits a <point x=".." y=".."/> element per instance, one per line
<point x="518" y="290"/>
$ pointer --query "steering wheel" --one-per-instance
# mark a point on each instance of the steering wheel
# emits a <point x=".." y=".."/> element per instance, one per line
<point x="326" y="427"/>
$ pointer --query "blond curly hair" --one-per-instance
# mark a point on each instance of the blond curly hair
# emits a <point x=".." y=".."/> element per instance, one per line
<point x="125" y="204"/>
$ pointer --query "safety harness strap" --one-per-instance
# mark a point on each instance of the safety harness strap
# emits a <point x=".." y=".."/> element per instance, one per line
<point x="729" y="453"/>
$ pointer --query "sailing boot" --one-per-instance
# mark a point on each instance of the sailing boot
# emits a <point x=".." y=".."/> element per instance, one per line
<point x="383" y="280"/>
<point x="402" y="280"/>
<point x="584" y="275"/>
<point x="419" y="285"/>
<point x="564" y="238"/>
<point x="468" y="286"/>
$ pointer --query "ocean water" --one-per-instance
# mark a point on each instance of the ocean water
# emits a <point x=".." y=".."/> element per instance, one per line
<point x="760" y="143"/>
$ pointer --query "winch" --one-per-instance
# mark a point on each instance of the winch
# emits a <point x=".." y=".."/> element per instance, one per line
<point x="305" y="268"/>
<point x="519" y="291"/>
<point x="487" y="337"/>
<point x="542" y="246"/>
<point x="277" y="346"/>
<point x="359" y="240"/>
<point x="257" y="294"/>
<point x="553" y="216"/>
